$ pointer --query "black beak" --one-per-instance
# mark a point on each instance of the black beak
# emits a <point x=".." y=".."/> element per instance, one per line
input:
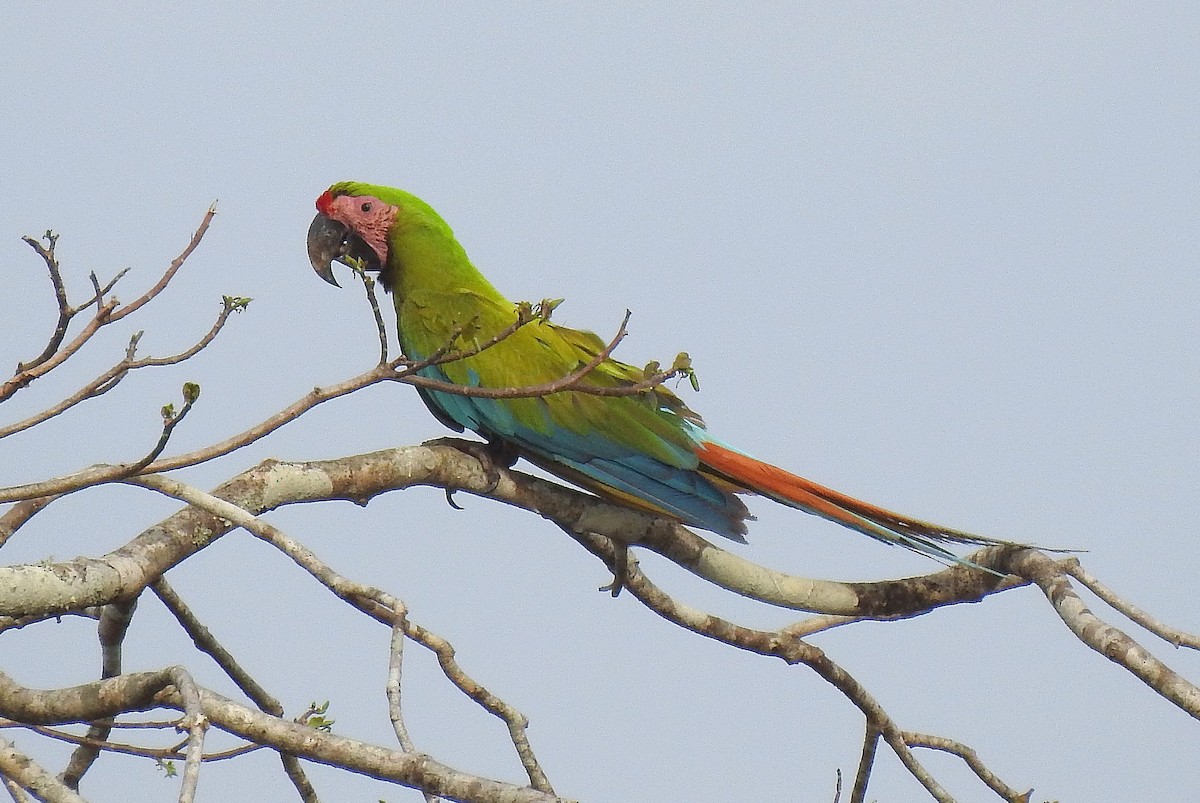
<point x="330" y="241"/>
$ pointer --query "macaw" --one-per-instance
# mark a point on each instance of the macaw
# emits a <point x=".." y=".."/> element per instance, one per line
<point x="649" y="451"/>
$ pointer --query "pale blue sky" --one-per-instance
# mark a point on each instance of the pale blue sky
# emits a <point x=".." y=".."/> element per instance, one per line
<point x="938" y="257"/>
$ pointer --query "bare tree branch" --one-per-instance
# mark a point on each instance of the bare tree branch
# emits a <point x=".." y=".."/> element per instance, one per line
<point x="172" y="269"/>
<point x="97" y="475"/>
<point x="364" y="476"/>
<point x="23" y="772"/>
<point x="65" y="312"/>
<point x="145" y="690"/>
<point x="195" y="723"/>
<point x="971" y="758"/>
<point x="389" y="610"/>
<point x="400" y="629"/>
<point x="16" y="516"/>
<point x="772" y="643"/>
<point x="866" y="763"/>
<point x="1111" y="642"/>
<point x="107" y="312"/>
<point x="395" y="662"/>
<point x="373" y="300"/>
<point x="157" y="753"/>
<point x="111" y="629"/>
<point x="204" y="641"/>
<point x="599" y="526"/>
<point x="24" y="377"/>
<point x="1170" y="634"/>
<point x="113" y="376"/>
<point x="107" y="587"/>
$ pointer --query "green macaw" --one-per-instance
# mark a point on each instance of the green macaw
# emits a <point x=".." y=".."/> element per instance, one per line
<point x="648" y="451"/>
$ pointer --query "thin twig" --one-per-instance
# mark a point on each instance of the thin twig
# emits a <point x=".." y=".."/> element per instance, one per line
<point x="107" y="312"/>
<point x="113" y="376"/>
<point x="968" y="755"/>
<point x="569" y="382"/>
<point x="172" y="269"/>
<point x="1179" y="638"/>
<point x="1110" y="641"/>
<point x="207" y="643"/>
<point x="395" y="663"/>
<point x="109" y="746"/>
<point x="65" y="312"/>
<point x="444" y="354"/>
<point x="170" y="421"/>
<point x="16" y="516"/>
<point x="393" y="688"/>
<point x="196" y="724"/>
<point x="863" y="777"/>
<point x="23" y="377"/>
<point x="369" y="286"/>
<point x="203" y="639"/>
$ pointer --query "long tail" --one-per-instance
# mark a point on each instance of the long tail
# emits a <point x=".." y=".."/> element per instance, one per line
<point x="749" y="474"/>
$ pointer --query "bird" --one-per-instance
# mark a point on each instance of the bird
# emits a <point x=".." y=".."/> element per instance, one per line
<point x="646" y="449"/>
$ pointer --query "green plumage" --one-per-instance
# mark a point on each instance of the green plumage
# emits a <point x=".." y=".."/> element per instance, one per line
<point x="646" y="449"/>
<point x="637" y="448"/>
<point x="437" y="291"/>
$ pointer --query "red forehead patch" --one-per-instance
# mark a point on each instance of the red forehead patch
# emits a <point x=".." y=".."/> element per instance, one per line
<point x="325" y="202"/>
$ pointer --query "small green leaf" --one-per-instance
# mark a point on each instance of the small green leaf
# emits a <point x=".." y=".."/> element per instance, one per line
<point x="315" y="718"/>
<point x="547" y="306"/>
<point x="191" y="392"/>
<point x="683" y="368"/>
<point x="168" y="411"/>
<point x="236" y="303"/>
<point x="652" y="368"/>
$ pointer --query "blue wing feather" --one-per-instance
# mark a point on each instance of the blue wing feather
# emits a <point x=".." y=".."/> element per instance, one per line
<point x="678" y="490"/>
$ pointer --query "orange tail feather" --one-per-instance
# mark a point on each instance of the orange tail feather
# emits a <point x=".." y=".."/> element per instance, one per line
<point x="795" y="491"/>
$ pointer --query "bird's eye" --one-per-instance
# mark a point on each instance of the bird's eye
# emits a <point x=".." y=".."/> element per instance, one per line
<point x="366" y="207"/>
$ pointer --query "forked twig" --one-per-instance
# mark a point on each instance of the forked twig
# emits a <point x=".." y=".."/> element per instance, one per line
<point x="107" y="311"/>
<point x="971" y="759"/>
<point x="1172" y="635"/>
<point x="112" y="377"/>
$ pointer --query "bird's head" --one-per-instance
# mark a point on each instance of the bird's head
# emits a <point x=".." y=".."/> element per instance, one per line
<point x="386" y="230"/>
<point x="350" y="227"/>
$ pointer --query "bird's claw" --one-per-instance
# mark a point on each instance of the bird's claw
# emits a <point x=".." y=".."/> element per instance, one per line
<point x="620" y="570"/>
<point x="492" y="456"/>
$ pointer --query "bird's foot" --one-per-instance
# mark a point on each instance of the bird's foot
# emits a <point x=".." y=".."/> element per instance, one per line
<point x="620" y="569"/>
<point x="492" y="456"/>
